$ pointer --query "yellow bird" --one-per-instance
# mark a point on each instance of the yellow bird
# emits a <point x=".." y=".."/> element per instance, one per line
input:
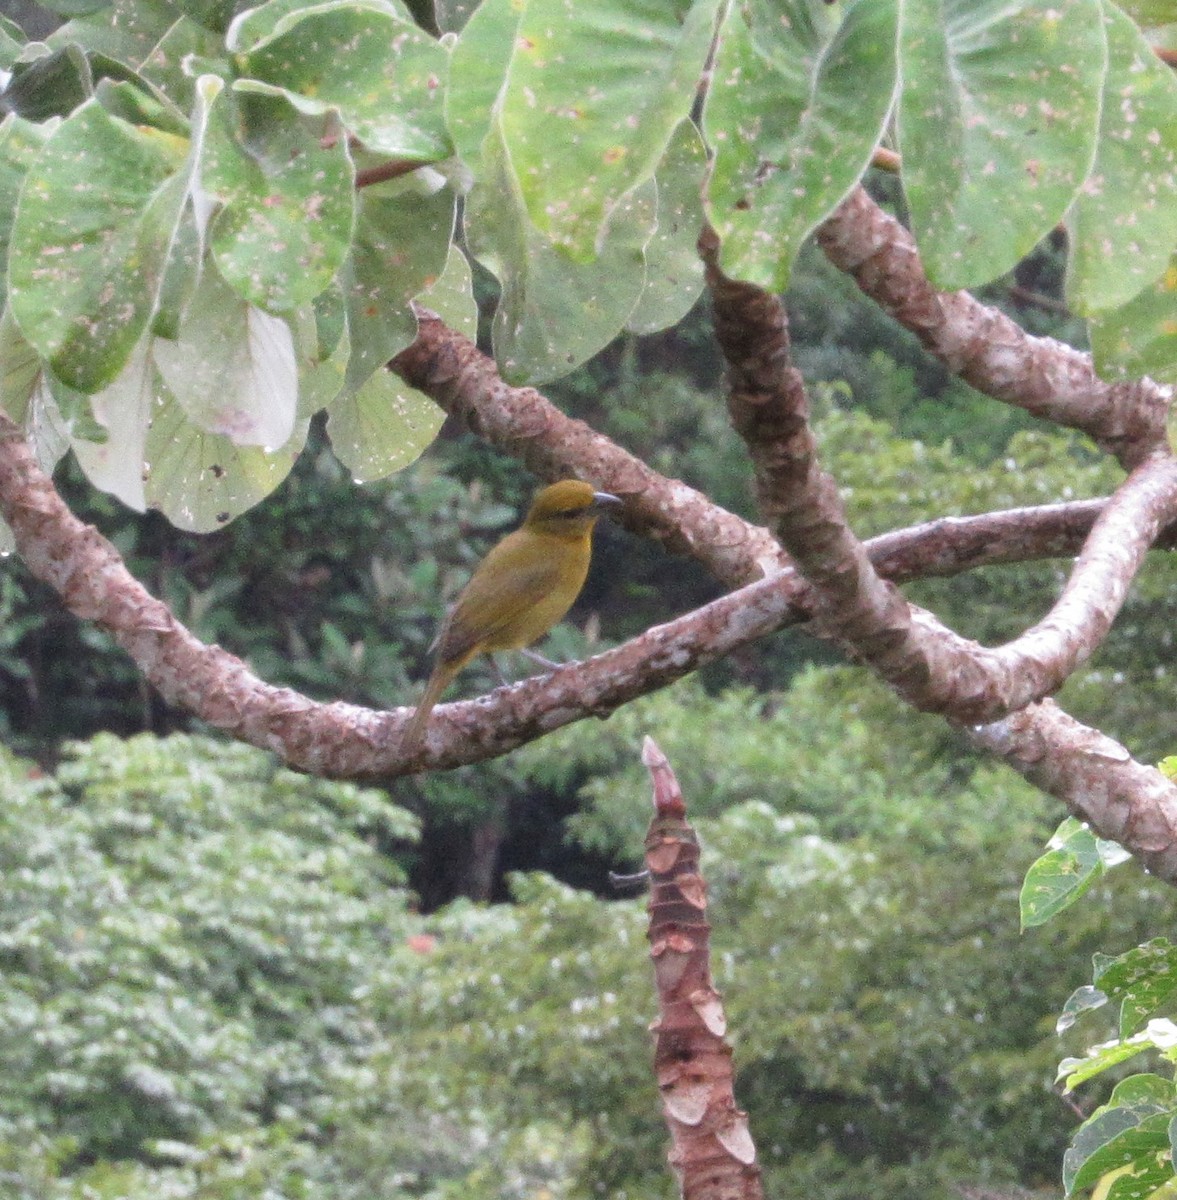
<point x="520" y="590"/>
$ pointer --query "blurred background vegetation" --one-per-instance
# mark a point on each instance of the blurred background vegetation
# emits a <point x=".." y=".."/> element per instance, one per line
<point x="221" y="979"/>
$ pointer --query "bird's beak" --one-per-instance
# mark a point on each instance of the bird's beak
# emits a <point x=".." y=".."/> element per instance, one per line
<point x="604" y="503"/>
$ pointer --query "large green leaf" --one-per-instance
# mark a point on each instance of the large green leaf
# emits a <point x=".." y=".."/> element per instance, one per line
<point x="794" y="113"/>
<point x="553" y="313"/>
<point x="402" y="239"/>
<point x="232" y="369"/>
<point x="674" y="271"/>
<point x="1140" y="337"/>
<point x="384" y="425"/>
<point x="87" y="248"/>
<point x="384" y="75"/>
<point x="1123" y="225"/>
<point x="998" y="121"/>
<point x="586" y="96"/>
<point x="20" y="143"/>
<point x="289" y="203"/>
<point x="127" y="30"/>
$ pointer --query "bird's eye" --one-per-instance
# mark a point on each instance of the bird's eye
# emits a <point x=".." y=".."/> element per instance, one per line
<point x="568" y="514"/>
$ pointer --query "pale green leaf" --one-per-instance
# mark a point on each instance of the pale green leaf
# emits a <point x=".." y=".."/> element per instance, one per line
<point x="127" y="30"/>
<point x="382" y="427"/>
<point x="998" y="121"/>
<point x="553" y="313"/>
<point x="86" y="252"/>
<point x="794" y="114"/>
<point x="478" y="68"/>
<point x="1123" y="224"/>
<point x="20" y="143"/>
<point x="451" y="296"/>
<point x="200" y="481"/>
<point x="124" y="410"/>
<point x="232" y="369"/>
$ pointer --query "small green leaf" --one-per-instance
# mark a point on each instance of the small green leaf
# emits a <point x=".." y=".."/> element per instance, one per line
<point x="382" y="73"/>
<point x="1000" y="99"/>
<point x="1081" y="1000"/>
<point x="1061" y="875"/>
<point x="1143" y="980"/>
<point x="1129" y="1130"/>
<point x="794" y="120"/>
<point x="49" y="83"/>
<point x="84" y="264"/>
<point x="1123" y="225"/>
<point x="289" y="203"/>
<point x="381" y="428"/>
<point x="232" y="369"/>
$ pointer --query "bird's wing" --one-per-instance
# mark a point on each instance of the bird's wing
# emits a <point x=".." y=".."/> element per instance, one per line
<point x="495" y="600"/>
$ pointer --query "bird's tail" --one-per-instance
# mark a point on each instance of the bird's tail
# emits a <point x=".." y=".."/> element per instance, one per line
<point x="415" y="730"/>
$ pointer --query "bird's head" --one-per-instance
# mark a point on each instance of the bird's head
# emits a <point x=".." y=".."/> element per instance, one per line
<point x="569" y="507"/>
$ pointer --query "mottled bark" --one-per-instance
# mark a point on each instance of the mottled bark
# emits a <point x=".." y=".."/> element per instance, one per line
<point x="346" y="741"/>
<point x="931" y="666"/>
<point x="983" y="346"/>
<point x="1095" y="777"/>
<point x="712" y="1151"/>
<point x="455" y="374"/>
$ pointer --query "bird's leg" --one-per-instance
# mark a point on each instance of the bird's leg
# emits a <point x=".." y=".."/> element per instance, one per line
<point x="498" y="670"/>
<point x="539" y="658"/>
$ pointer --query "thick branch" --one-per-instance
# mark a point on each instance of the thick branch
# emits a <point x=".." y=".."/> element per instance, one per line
<point x="455" y="374"/>
<point x="983" y="346"/>
<point x="932" y="667"/>
<point x="1096" y="777"/>
<point x="346" y="741"/>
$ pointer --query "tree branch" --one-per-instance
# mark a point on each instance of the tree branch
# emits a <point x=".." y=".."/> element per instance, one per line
<point x="346" y="741"/>
<point x="1095" y="777"/>
<point x="983" y="346"/>
<point x="455" y="374"/>
<point x="931" y="666"/>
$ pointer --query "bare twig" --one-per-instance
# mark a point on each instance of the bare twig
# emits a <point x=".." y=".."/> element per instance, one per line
<point x="712" y="1151"/>
<point x="983" y="346"/>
